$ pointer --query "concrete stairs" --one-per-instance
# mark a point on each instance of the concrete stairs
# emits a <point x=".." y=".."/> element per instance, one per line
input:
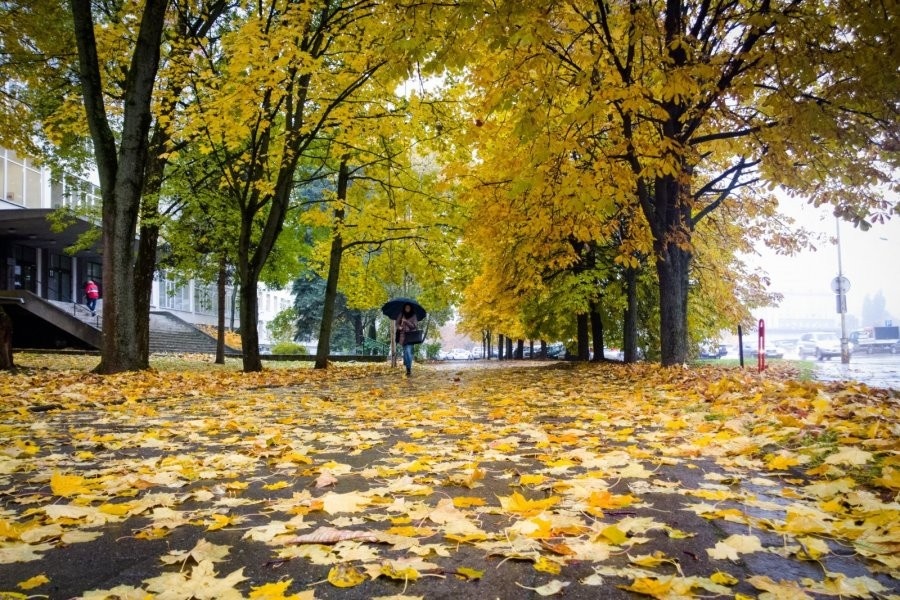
<point x="168" y="333"/>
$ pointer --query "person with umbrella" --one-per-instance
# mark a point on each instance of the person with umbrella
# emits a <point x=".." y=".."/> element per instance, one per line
<point x="406" y="314"/>
<point x="407" y="322"/>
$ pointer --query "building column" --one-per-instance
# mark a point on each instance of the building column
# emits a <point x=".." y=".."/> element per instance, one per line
<point x="76" y="277"/>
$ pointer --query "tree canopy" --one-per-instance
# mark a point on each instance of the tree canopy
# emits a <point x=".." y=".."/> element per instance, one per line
<point x="531" y="163"/>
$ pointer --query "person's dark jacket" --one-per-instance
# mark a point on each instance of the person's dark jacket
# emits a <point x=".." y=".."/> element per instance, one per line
<point x="406" y="323"/>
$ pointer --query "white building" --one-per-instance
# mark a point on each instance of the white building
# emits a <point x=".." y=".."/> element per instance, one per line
<point x="33" y="257"/>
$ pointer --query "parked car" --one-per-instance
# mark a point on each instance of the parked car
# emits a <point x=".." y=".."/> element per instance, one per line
<point x="556" y="350"/>
<point x="774" y="352"/>
<point x="459" y="354"/>
<point x="820" y="344"/>
<point x="708" y="350"/>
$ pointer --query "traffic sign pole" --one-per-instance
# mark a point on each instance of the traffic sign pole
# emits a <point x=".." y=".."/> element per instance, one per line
<point x="840" y="285"/>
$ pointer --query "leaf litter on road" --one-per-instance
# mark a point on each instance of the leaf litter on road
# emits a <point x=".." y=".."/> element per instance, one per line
<point x="668" y="483"/>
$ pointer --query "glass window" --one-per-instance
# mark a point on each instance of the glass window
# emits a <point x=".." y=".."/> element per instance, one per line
<point x="15" y="183"/>
<point x="32" y="188"/>
<point x="205" y="299"/>
<point x="174" y="296"/>
<point x="56" y="194"/>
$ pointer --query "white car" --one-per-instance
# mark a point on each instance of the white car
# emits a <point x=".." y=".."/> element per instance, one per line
<point x="822" y="345"/>
<point x="459" y="354"/>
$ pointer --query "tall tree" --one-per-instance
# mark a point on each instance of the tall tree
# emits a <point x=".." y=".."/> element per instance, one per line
<point x="690" y="103"/>
<point x="295" y="66"/>
<point x="121" y="171"/>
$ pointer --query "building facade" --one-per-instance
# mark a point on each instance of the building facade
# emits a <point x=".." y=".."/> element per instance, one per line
<point x="33" y="256"/>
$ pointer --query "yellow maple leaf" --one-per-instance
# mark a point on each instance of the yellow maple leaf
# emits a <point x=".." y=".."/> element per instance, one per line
<point x="733" y="546"/>
<point x="219" y="522"/>
<point x="469" y="574"/>
<point x="278" y="485"/>
<point x="119" y="509"/>
<point x="651" y="561"/>
<point x="276" y="591"/>
<point x="67" y="485"/>
<point x="545" y="565"/>
<point x="849" y="455"/>
<point x="723" y="578"/>
<point x="519" y="504"/>
<point x="606" y="499"/>
<point x="542" y="528"/>
<point x="410" y="531"/>
<point x="403" y="574"/>
<point x="33" y="582"/>
<point x="467" y="501"/>
<point x="890" y="478"/>
<point x="649" y="586"/>
<point x="9" y="530"/>
<point x="531" y="479"/>
<point x="614" y="535"/>
<point x="343" y="575"/>
<point x="781" y="590"/>
<point x="781" y="462"/>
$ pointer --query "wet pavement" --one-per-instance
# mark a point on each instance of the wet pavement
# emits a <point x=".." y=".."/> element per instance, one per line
<point x="627" y="477"/>
<point x="875" y="370"/>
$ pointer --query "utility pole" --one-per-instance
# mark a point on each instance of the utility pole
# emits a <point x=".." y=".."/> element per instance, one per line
<point x="841" y="286"/>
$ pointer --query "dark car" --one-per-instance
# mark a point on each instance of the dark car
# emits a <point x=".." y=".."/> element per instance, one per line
<point x="713" y="350"/>
<point x="556" y="351"/>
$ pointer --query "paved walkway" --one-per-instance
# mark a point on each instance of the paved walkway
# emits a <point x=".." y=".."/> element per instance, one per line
<point x="461" y="482"/>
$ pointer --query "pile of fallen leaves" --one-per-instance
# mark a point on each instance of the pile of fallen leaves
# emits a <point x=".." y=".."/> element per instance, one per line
<point x="232" y="338"/>
<point x="584" y="481"/>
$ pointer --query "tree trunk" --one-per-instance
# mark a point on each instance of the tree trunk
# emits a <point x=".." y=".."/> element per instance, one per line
<point x="596" y="331"/>
<point x="520" y="349"/>
<point x="124" y="346"/>
<point x="629" y="324"/>
<point x="584" y="348"/>
<point x="373" y="335"/>
<point x="148" y="239"/>
<point x="359" y="331"/>
<point x="543" y="349"/>
<point x="673" y="267"/>
<point x="249" y="312"/>
<point x="334" y="271"/>
<point x="500" y="347"/>
<point x="509" y="347"/>
<point x="6" y="340"/>
<point x="220" y="311"/>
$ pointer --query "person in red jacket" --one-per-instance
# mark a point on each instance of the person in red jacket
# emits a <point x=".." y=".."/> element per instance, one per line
<point x="91" y="292"/>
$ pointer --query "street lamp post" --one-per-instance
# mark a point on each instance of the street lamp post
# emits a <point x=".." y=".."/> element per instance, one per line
<point x="841" y="285"/>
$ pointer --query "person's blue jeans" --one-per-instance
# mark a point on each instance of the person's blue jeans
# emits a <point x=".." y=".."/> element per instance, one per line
<point x="92" y="304"/>
<point x="407" y="357"/>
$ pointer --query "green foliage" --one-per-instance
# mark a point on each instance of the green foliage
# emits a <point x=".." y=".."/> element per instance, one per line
<point x="284" y="347"/>
<point x="431" y="349"/>
<point x="282" y="327"/>
<point x="309" y="294"/>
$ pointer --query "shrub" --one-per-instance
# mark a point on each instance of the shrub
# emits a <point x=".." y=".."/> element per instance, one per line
<point x="288" y="348"/>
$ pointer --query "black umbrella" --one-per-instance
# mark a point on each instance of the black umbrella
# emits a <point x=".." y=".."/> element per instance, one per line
<point x="393" y="308"/>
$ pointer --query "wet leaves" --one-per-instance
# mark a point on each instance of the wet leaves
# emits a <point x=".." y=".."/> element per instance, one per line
<point x="562" y="481"/>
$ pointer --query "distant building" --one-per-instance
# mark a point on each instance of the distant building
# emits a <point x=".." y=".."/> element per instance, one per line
<point x="33" y="257"/>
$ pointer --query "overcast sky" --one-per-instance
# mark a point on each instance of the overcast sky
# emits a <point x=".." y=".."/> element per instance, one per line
<point x="870" y="260"/>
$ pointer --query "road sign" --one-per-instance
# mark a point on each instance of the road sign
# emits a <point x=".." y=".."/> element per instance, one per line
<point x="840" y="285"/>
<point x="841" y="301"/>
